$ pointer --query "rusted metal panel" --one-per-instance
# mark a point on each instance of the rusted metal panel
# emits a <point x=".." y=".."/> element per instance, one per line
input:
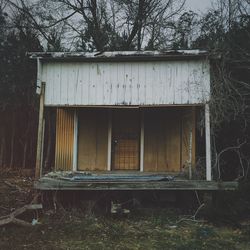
<point x="64" y="139"/>
<point x="127" y="83"/>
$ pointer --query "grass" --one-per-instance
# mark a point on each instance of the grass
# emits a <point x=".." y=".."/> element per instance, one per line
<point x="64" y="231"/>
<point x="78" y="228"/>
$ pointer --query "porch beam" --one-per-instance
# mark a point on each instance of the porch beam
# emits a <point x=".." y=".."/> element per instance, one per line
<point x="208" y="143"/>
<point x="75" y="146"/>
<point x="142" y="143"/>
<point x="46" y="183"/>
<point x="40" y="134"/>
<point x="109" y="140"/>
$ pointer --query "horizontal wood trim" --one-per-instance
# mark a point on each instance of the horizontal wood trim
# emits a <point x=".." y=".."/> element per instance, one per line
<point x="46" y="183"/>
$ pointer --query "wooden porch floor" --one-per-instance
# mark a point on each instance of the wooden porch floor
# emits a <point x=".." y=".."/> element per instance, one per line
<point x="126" y="181"/>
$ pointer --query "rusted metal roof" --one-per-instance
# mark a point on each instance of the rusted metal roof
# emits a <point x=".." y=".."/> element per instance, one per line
<point x="121" y="55"/>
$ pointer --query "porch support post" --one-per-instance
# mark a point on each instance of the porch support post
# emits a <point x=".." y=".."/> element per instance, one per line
<point x="109" y="140"/>
<point x="39" y="76"/>
<point x="208" y="144"/>
<point x="75" y="146"/>
<point x="40" y="134"/>
<point x="142" y="142"/>
<point x="42" y="149"/>
<point x="190" y="152"/>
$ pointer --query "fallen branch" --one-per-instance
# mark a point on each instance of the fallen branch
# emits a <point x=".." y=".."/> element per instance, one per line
<point x="11" y="218"/>
<point x="13" y="186"/>
<point x="4" y="208"/>
<point x="197" y="211"/>
<point x="193" y="217"/>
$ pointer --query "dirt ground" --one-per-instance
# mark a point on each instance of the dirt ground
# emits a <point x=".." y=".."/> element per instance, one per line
<point x="76" y="228"/>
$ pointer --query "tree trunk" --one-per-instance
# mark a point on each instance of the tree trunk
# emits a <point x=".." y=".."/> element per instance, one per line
<point x="25" y="153"/>
<point x="2" y="150"/>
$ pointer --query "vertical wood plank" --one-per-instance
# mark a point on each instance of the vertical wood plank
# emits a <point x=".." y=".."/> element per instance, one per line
<point x="75" y="148"/>
<point x="193" y="136"/>
<point x="190" y="153"/>
<point x="142" y="143"/>
<point x="40" y="133"/>
<point x="208" y="144"/>
<point x="109" y="140"/>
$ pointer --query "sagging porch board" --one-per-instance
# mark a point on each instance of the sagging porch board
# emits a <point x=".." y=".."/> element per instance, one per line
<point x="47" y="183"/>
<point x="92" y="139"/>
<point x="64" y="139"/>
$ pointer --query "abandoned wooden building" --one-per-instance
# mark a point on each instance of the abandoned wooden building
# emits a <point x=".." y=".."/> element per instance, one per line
<point x="124" y="120"/>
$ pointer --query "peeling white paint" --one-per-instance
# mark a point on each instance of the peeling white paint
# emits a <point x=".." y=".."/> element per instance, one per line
<point x="127" y="83"/>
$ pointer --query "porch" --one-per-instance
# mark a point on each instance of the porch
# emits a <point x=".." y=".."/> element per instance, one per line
<point x="116" y="115"/>
<point x="158" y="139"/>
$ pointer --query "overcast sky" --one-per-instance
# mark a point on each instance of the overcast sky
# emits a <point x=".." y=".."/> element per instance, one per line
<point x="198" y="5"/>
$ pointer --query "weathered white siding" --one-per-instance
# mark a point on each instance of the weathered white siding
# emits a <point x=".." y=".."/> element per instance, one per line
<point x="126" y="83"/>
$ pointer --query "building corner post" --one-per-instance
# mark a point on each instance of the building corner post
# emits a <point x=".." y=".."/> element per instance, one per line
<point x="40" y="134"/>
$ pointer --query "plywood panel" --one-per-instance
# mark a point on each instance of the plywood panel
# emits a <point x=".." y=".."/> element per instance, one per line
<point x="126" y="83"/>
<point x="167" y="137"/>
<point x="64" y="139"/>
<point x="92" y="139"/>
<point x="151" y="137"/>
<point x="173" y="140"/>
<point x="125" y="139"/>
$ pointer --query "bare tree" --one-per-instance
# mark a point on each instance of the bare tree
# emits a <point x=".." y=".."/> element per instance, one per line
<point x="103" y="25"/>
<point x="225" y="31"/>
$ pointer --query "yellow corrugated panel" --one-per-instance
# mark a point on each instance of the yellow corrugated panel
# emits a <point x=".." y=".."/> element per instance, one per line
<point x="64" y="139"/>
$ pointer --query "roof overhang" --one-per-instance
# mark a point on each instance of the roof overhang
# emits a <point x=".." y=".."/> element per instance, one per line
<point x="120" y="56"/>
